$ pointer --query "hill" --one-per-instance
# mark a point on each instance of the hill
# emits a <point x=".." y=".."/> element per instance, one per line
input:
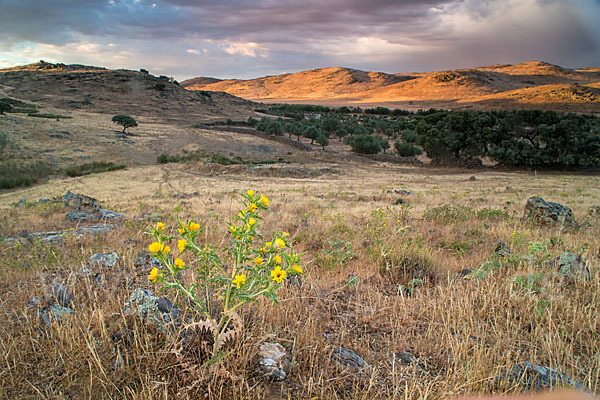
<point x="532" y="84"/>
<point x="62" y="116"/>
<point x="100" y="90"/>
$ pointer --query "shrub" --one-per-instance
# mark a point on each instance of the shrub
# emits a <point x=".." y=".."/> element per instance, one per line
<point x="49" y="116"/>
<point x="92" y="168"/>
<point x="407" y="149"/>
<point x="3" y="141"/>
<point x="410" y="137"/>
<point x="19" y="175"/>
<point x="364" y="144"/>
<point x="405" y="264"/>
<point x="4" y="107"/>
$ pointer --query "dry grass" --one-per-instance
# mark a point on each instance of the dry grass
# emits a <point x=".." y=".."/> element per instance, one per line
<point x="464" y="332"/>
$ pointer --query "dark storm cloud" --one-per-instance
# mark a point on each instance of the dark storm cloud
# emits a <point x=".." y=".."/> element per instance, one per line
<point x="249" y="38"/>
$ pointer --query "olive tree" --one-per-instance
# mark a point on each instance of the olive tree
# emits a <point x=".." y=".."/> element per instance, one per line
<point x="125" y="121"/>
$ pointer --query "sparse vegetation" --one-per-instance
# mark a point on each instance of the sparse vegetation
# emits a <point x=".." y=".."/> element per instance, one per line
<point x="93" y="168"/>
<point x="14" y="174"/>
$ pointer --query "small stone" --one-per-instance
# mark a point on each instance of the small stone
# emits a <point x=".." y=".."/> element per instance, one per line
<point x="502" y="249"/>
<point x="104" y="259"/>
<point x="406" y="358"/>
<point x="348" y="358"/>
<point x="274" y="361"/>
<point x="146" y="306"/>
<point x="61" y="294"/>
<point x="472" y="178"/>
<point x="145" y="259"/>
<point x="537" y="377"/>
<point x="510" y="189"/>
<point x="466" y="272"/>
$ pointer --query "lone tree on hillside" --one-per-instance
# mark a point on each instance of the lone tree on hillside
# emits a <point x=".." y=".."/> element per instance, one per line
<point x="125" y="121"/>
<point x="4" y="106"/>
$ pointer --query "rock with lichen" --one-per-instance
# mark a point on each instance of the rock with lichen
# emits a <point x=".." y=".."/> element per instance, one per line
<point x="540" y="211"/>
<point x="274" y="361"/>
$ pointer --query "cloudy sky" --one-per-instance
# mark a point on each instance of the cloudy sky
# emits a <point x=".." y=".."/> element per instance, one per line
<point x="252" y="38"/>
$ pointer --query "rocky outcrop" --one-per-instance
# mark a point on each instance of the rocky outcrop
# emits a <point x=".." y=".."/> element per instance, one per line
<point x="540" y="211"/>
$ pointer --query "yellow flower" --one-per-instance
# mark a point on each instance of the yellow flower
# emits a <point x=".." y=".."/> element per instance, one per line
<point x="179" y="263"/>
<point x="166" y="250"/>
<point x="279" y="243"/>
<point x="241" y="214"/>
<point x="252" y="207"/>
<point x="239" y="280"/>
<point x="277" y="259"/>
<point x="278" y="275"/>
<point x="297" y="269"/>
<point x="251" y="221"/>
<point x="194" y="226"/>
<point x="264" y="200"/>
<point x="154" y="275"/>
<point x="233" y="229"/>
<point x="181" y="245"/>
<point x="181" y="230"/>
<point x="155" y="247"/>
<point x="268" y="244"/>
<point x="262" y="250"/>
<point x="160" y="226"/>
<point x="259" y="260"/>
<point x="285" y="234"/>
<point x="250" y="193"/>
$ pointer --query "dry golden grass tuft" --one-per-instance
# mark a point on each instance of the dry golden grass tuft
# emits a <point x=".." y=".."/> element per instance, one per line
<point x="464" y="332"/>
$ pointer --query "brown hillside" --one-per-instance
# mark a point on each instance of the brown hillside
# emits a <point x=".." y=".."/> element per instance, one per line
<point x="526" y="85"/>
<point x="99" y="90"/>
<point x="314" y="84"/>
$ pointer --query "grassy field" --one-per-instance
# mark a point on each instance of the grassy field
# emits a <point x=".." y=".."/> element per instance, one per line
<point x="404" y="251"/>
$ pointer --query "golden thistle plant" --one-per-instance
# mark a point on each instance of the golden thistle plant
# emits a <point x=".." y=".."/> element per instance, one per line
<point x="259" y="267"/>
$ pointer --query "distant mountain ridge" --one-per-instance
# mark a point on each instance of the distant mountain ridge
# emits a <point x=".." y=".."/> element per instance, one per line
<point x="534" y="84"/>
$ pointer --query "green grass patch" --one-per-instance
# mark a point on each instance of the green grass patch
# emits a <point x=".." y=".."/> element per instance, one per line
<point x="14" y="175"/>
<point x="51" y="116"/>
<point x="93" y="168"/>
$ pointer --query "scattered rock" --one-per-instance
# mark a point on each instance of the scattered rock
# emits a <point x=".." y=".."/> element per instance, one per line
<point x="402" y="192"/>
<point x="537" y="210"/>
<point x="510" y="189"/>
<point x="58" y="237"/>
<point x="466" y="271"/>
<point x="86" y="208"/>
<point x="472" y="178"/>
<point x="571" y="265"/>
<point x="165" y="305"/>
<point x="60" y="294"/>
<point x="44" y="200"/>
<point x="536" y="377"/>
<point x="274" y="361"/>
<point x="502" y="249"/>
<point x="49" y="313"/>
<point x="145" y="259"/>
<point x="348" y="358"/>
<point x="100" y="213"/>
<point x="145" y="305"/>
<point x="79" y="201"/>
<point x="405" y="358"/>
<point x="104" y="259"/>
